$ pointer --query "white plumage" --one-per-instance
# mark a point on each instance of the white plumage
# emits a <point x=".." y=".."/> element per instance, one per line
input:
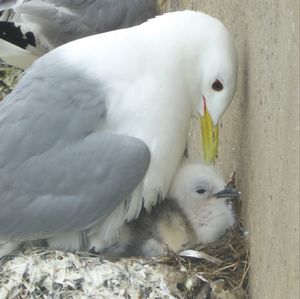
<point x="80" y="129"/>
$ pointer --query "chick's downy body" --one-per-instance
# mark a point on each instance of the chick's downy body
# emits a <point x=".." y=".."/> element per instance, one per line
<point x="197" y="210"/>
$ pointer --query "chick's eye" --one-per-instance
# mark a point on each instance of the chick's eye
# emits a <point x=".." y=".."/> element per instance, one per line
<point x="217" y="85"/>
<point x="200" y="191"/>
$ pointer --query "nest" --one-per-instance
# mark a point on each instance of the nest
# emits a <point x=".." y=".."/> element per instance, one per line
<point x="218" y="270"/>
<point x="226" y="260"/>
<point x="9" y="76"/>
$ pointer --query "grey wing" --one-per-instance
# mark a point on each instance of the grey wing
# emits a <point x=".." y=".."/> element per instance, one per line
<point x="63" y="21"/>
<point x="6" y="4"/>
<point x="67" y="189"/>
<point x="53" y="104"/>
<point x="58" y="172"/>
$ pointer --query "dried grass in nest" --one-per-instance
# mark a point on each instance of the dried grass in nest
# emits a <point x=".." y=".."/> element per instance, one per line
<point x="227" y="259"/>
<point x="9" y="76"/>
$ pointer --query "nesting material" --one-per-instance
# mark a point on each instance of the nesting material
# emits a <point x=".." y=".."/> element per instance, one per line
<point x="227" y="259"/>
<point x="218" y="269"/>
<point x="9" y="76"/>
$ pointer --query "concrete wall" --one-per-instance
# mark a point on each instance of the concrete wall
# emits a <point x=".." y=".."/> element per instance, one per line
<point x="260" y="134"/>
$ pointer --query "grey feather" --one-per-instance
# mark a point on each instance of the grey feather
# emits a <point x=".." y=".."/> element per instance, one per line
<point x="5" y="4"/>
<point x="70" y="188"/>
<point x="58" y="170"/>
<point x="59" y="22"/>
<point x="66" y="113"/>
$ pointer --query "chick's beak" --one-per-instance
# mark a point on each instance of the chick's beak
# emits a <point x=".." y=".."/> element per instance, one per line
<point x="227" y="192"/>
<point x="210" y="136"/>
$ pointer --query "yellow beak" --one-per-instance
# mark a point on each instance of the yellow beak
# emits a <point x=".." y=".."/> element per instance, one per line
<point x="210" y="138"/>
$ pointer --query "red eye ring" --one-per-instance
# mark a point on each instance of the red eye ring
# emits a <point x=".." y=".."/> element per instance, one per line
<point x="217" y="85"/>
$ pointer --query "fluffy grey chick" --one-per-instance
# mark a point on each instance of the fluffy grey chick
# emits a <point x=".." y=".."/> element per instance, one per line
<point x="197" y="209"/>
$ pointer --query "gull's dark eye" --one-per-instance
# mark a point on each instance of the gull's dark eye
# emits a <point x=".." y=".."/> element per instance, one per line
<point x="217" y="85"/>
<point x="201" y="191"/>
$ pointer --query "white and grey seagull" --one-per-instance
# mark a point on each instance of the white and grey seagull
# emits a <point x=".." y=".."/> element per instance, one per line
<point x="30" y="28"/>
<point x="97" y="128"/>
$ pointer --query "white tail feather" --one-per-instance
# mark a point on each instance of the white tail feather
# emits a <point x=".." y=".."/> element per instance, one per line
<point x="16" y="56"/>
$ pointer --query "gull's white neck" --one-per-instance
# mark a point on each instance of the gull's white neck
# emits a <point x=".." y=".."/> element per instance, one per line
<point x="158" y="113"/>
<point x="152" y="101"/>
<point x="146" y="74"/>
